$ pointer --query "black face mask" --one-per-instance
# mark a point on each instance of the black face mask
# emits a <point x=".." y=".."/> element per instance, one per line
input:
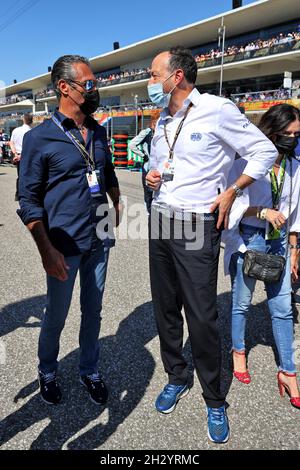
<point x="286" y="144"/>
<point x="91" y="102"/>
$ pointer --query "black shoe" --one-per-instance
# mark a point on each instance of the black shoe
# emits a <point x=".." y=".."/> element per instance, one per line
<point x="96" y="388"/>
<point x="49" y="388"/>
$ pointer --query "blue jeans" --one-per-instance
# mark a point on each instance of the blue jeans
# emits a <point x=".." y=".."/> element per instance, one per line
<point x="278" y="293"/>
<point x="92" y="268"/>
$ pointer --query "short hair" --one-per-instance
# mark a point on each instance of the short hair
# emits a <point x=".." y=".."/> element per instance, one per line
<point x="278" y="118"/>
<point x="63" y="69"/>
<point x="182" y="58"/>
<point x="28" y="119"/>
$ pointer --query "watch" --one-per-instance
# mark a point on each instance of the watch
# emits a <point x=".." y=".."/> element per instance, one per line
<point x="263" y="213"/>
<point x="259" y="209"/>
<point x="238" y="191"/>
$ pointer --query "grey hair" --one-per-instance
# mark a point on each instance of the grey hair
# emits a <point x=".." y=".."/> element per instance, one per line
<point x="63" y="69"/>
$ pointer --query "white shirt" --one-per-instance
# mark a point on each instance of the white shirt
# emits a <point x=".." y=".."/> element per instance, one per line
<point x="214" y="130"/>
<point x="17" y="136"/>
<point x="259" y="194"/>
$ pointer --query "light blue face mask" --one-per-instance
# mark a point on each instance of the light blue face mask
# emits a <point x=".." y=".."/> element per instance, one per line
<point x="158" y="96"/>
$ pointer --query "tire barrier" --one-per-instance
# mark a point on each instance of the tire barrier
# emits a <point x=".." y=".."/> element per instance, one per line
<point x="120" y="150"/>
<point x="120" y="146"/>
<point x="121" y="136"/>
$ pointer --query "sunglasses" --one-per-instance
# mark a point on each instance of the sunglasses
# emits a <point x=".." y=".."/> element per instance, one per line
<point x="88" y="85"/>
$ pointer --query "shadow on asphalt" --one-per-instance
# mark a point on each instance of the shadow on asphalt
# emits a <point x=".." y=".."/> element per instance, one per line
<point x="258" y="332"/>
<point x="17" y="315"/>
<point x="127" y="368"/>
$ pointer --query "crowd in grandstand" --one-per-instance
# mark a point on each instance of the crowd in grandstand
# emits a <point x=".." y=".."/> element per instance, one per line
<point x="125" y="75"/>
<point x="142" y="104"/>
<point x="45" y="93"/>
<point x="14" y="98"/>
<point x="11" y="115"/>
<point x="280" y="94"/>
<point x="281" y="38"/>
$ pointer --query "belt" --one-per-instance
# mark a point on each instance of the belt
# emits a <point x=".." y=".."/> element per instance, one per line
<point x="183" y="215"/>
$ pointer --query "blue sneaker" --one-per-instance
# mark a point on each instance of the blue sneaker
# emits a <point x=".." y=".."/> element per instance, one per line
<point x="167" y="399"/>
<point x="218" y="426"/>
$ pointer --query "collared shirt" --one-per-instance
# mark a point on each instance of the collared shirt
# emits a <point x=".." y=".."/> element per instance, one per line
<point x="17" y="136"/>
<point x="213" y="132"/>
<point x="53" y="185"/>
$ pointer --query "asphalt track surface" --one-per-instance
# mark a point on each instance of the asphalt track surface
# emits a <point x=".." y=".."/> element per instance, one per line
<point x="130" y="358"/>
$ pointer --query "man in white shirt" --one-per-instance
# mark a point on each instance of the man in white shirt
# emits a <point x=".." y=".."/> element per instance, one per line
<point x="16" y="143"/>
<point x="193" y="149"/>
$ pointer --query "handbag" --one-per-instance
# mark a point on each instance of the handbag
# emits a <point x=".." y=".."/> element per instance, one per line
<point x="263" y="266"/>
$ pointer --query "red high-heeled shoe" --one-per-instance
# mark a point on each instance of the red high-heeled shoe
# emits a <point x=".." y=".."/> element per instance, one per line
<point x="243" y="377"/>
<point x="283" y="387"/>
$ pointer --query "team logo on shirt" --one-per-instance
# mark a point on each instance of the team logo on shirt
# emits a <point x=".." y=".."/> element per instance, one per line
<point x="196" y="136"/>
<point x="246" y="124"/>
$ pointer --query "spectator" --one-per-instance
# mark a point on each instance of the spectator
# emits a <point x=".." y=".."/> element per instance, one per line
<point x="16" y="144"/>
<point x="61" y="210"/>
<point x="190" y="158"/>
<point x="264" y="228"/>
<point x="143" y="140"/>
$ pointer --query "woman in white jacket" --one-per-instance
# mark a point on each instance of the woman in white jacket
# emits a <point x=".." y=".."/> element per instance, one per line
<point x="263" y="228"/>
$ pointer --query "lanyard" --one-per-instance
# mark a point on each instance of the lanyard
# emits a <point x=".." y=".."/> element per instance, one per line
<point x="277" y="184"/>
<point x="276" y="188"/>
<point x="87" y="156"/>
<point x="171" y="147"/>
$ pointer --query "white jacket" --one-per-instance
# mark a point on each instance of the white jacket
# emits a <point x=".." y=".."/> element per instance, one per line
<point x="259" y="194"/>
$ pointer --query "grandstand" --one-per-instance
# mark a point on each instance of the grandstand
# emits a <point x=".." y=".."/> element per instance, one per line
<point x="262" y="46"/>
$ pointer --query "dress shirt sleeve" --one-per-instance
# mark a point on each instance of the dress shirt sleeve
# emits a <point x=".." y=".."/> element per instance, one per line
<point x="247" y="140"/>
<point x="32" y="180"/>
<point x="111" y="180"/>
<point x="13" y="137"/>
<point x="295" y="219"/>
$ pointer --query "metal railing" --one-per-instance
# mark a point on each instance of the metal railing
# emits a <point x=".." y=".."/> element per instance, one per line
<point x="269" y="95"/>
<point x="129" y="78"/>
<point x="293" y="45"/>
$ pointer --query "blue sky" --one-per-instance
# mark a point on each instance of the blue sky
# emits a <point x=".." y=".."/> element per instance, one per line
<point x="34" y="33"/>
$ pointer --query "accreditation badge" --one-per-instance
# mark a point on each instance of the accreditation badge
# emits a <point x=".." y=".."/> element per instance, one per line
<point x="168" y="170"/>
<point x="93" y="183"/>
